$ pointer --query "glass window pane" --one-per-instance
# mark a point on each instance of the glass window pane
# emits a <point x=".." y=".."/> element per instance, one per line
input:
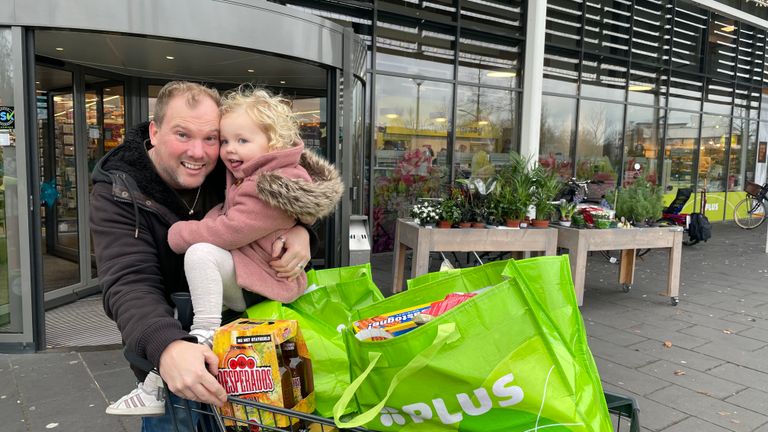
<point x="648" y="85"/>
<point x="723" y="47"/>
<point x="690" y="30"/>
<point x="495" y="15"/>
<point x="607" y="27"/>
<point x="682" y="140"/>
<point x="435" y="10"/>
<point x="10" y="253"/>
<point x="489" y="60"/>
<point x="715" y="137"/>
<point x="414" y="47"/>
<point x="643" y="141"/>
<point x="412" y="118"/>
<point x="750" y="55"/>
<point x="486" y="122"/>
<point x="561" y="71"/>
<point x="599" y="144"/>
<point x="564" y="19"/>
<point x="719" y="97"/>
<point x="603" y="77"/>
<point x="685" y="91"/>
<point x="652" y="31"/>
<point x="558" y="130"/>
<point x="744" y="136"/>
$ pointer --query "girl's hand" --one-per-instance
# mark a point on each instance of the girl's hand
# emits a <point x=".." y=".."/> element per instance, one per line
<point x="292" y="253"/>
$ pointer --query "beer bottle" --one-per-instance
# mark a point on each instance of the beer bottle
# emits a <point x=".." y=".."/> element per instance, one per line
<point x="296" y="365"/>
<point x="286" y="379"/>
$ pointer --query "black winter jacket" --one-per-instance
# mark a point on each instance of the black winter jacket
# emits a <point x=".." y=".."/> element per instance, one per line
<point x="132" y="209"/>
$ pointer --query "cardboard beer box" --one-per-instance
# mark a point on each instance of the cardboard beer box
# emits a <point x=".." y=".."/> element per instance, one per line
<point x="267" y="362"/>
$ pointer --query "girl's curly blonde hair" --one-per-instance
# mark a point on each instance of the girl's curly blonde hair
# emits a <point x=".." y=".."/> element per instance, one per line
<point x="271" y="112"/>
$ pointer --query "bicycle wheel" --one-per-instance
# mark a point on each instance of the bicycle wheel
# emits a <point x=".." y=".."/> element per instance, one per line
<point x="749" y="213"/>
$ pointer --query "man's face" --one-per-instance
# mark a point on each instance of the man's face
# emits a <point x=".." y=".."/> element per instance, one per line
<point x="186" y="145"/>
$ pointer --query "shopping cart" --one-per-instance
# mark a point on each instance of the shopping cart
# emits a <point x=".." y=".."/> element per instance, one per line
<point x="624" y="416"/>
<point x="194" y="417"/>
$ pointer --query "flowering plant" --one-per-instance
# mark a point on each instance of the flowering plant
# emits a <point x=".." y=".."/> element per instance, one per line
<point x="601" y="215"/>
<point x="425" y="213"/>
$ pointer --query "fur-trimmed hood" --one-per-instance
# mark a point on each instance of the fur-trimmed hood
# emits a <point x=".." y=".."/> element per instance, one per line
<point x="299" y="198"/>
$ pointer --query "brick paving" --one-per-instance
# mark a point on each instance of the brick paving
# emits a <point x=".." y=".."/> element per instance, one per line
<point x="713" y="376"/>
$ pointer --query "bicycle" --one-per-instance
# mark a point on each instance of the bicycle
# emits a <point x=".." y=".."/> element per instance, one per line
<point x="749" y="213"/>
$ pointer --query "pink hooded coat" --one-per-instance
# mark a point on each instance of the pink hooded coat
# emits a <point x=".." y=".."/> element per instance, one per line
<point x="264" y="198"/>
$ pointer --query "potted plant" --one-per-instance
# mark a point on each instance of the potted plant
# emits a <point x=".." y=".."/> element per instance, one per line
<point x="425" y="213"/>
<point x="602" y="219"/>
<point x="577" y="220"/>
<point x="478" y="191"/>
<point x="567" y="210"/>
<point x="546" y="184"/>
<point x="450" y="212"/>
<point x="514" y="191"/>
<point x="640" y="202"/>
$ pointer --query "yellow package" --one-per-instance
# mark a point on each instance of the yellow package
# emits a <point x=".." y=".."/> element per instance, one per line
<point x="267" y="362"/>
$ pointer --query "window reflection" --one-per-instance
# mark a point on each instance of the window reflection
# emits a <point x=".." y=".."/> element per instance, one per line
<point x="486" y="60"/>
<point x="561" y="71"/>
<point x="412" y="122"/>
<point x="603" y="78"/>
<point x="744" y="136"/>
<point x="599" y="144"/>
<point x="414" y="47"/>
<point x="682" y="140"/>
<point x="642" y="138"/>
<point x="486" y="131"/>
<point x="715" y="137"/>
<point x="648" y="85"/>
<point x="558" y="128"/>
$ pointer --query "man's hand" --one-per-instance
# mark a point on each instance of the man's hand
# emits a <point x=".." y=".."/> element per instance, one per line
<point x="292" y="249"/>
<point x="189" y="370"/>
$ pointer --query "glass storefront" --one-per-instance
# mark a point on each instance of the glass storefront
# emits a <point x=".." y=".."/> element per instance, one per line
<point x="667" y="84"/>
<point x="10" y="254"/>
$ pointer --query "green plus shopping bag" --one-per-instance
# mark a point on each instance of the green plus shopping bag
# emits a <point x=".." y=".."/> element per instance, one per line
<point x="329" y="302"/>
<point x="513" y="358"/>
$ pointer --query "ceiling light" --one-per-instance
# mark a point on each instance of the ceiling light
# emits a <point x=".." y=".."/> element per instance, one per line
<point x="391" y="116"/>
<point x="59" y="49"/>
<point x="170" y="57"/>
<point x="37" y="82"/>
<point x="482" y="122"/>
<point x="441" y="120"/>
<point x="729" y="28"/>
<point x="282" y="82"/>
<point x="640" y="87"/>
<point x="251" y="70"/>
<point x="501" y="74"/>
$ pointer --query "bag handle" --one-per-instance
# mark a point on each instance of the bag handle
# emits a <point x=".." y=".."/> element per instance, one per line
<point x="446" y="334"/>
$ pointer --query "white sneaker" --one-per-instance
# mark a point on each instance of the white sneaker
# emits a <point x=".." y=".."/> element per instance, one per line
<point x="204" y="336"/>
<point x="145" y="400"/>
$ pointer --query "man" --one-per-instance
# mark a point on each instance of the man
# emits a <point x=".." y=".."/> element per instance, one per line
<point x="158" y="176"/>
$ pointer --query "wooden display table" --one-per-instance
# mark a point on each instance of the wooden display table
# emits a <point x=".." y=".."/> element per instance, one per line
<point x="581" y="241"/>
<point x="425" y="240"/>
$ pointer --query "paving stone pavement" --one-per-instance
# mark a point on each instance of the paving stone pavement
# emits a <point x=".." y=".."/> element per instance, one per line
<point x="712" y="376"/>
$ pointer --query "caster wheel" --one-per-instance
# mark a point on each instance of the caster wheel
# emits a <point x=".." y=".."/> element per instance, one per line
<point x="626" y="288"/>
<point x="674" y="300"/>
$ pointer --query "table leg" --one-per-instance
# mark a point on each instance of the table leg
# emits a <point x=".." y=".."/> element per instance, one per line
<point x="675" y="259"/>
<point x="420" y="263"/>
<point x="578" y="259"/>
<point x="399" y="264"/>
<point x="627" y="268"/>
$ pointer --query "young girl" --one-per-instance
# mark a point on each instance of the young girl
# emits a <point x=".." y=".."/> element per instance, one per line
<point x="268" y="190"/>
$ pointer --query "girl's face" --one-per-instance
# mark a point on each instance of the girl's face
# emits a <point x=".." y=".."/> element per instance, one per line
<point x="242" y="140"/>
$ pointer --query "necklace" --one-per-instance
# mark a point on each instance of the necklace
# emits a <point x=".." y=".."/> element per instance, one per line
<point x="192" y="207"/>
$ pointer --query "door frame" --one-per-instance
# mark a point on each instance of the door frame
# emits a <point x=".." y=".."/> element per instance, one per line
<point x="86" y="285"/>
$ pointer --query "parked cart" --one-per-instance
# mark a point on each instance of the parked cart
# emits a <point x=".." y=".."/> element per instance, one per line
<point x="624" y="413"/>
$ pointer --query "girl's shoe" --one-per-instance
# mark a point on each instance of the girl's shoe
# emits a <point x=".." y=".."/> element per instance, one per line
<point x="145" y="400"/>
